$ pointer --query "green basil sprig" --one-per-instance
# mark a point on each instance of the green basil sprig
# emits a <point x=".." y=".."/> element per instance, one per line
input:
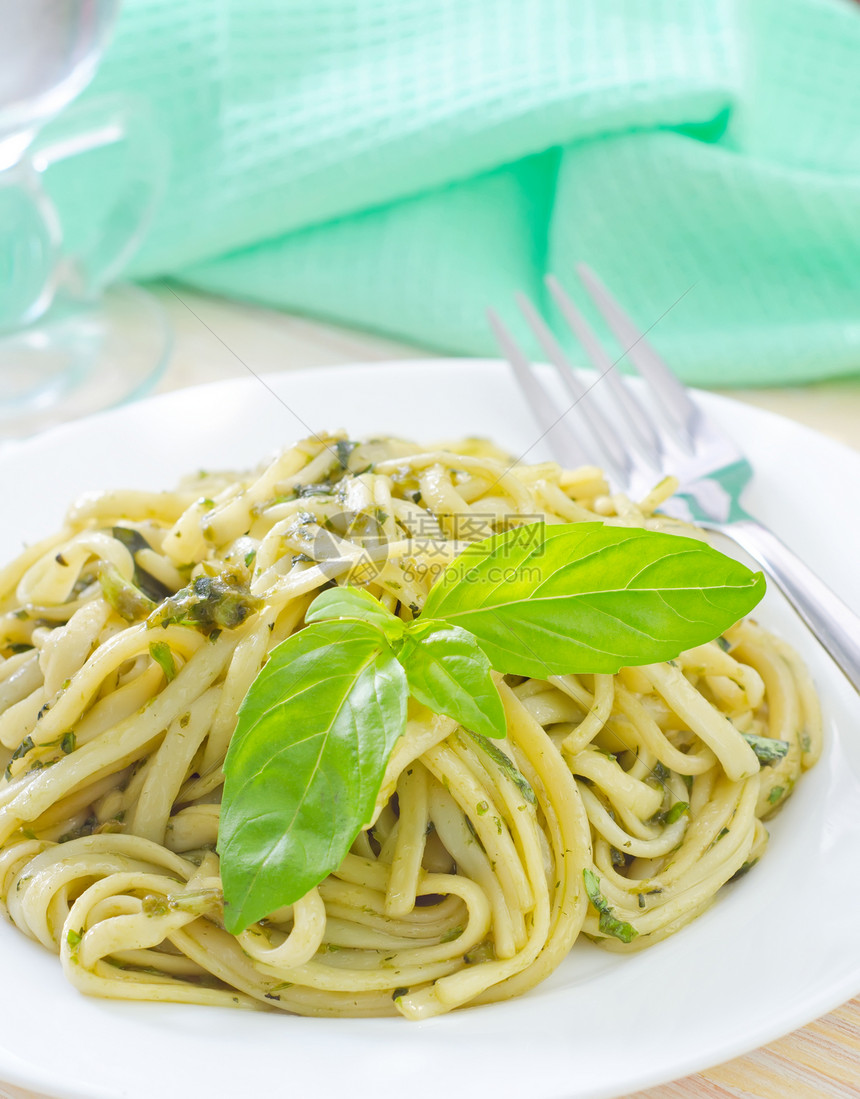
<point x="314" y="735"/>
<point x="318" y="724"/>
<point x="306" y="763"/>
<point x="591" y="598"/>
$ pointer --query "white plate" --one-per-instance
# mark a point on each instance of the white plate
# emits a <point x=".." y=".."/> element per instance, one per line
<point x="777" y="949"/>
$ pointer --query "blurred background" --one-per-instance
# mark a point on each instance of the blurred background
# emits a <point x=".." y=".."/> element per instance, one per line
<point x="397" y="166"/>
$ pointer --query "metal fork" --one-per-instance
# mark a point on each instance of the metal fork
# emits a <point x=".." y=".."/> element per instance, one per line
<point x="637" y="444"/>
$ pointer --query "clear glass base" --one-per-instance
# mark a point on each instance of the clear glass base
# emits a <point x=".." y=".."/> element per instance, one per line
<point x="81" y="359"/>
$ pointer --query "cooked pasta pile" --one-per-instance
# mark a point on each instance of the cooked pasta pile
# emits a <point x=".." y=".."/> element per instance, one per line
<point x="468" y="887"/>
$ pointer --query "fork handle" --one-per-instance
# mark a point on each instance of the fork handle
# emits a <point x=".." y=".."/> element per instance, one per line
<point x="835" y="625"/>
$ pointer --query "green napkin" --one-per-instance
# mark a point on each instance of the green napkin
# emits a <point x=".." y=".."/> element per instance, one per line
<point x="402" y="164"/>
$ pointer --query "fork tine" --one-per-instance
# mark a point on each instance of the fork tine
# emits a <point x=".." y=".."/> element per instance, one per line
<point x="672" y="395"/>
<point x="602" y="439"/>
<point x="564" y="443"/>
<point x="638" y="422"/>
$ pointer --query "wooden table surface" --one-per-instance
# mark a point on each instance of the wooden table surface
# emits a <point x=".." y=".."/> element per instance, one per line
<point x="216" y="339"/>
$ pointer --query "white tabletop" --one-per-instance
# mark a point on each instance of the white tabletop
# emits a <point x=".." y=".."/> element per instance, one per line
<point x="268" y="341"/>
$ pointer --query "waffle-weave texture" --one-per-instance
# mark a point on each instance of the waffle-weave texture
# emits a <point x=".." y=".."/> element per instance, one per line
<point x="402" y="164"/>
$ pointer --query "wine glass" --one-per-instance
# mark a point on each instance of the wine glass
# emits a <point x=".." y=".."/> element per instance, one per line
<point x="68" y="345"/>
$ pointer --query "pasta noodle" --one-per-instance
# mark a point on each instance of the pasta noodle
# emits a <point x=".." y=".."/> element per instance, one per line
<point x="468" y="886"/>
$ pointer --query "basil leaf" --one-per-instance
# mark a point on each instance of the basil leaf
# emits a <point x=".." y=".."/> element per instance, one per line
<point x="128" y="601"/>
<point x="507" y="766"/>
<point x="447" y="671"/>
<point x="134" y="542"/>
<point x="209" y="603"/>
<point x="767" y="749"/>
<point x="349" y="602"/>
<point x="305" y="764"/>
<point x="586" y="597"/>
<point x="161" y="654"/>
<point x="608" y="923"/>
<point x="676" y="811"/>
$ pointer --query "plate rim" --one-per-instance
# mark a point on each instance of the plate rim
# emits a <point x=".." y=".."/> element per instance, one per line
<point x="714" y="1051"/>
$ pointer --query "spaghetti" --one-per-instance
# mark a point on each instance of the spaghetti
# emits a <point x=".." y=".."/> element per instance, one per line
<point x="616" y="808"/>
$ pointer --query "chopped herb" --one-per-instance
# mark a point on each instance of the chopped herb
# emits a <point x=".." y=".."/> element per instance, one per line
<point x="767" y="749"/>
<point x="775" y="794"/>
<point x="416" y="610"/>
<point x="210" y="603"/>
<point x="161" y="654"/>
<point x="127" y="600"/>
<point x="724" y="643"/>
<point x="505" y="764"/>
<point x="19" y="647"/>
<point x="197" y="901"/>
<point x="73" y="938"/>
<point x="249" y="558"/>
<point x="745" y="869"/>
<point x="688" y="782"/>
<point x="343" y="448"/>
<point x="640" y="898"/>
<point x="658" y="775"/>
<point x="722" y="832"/>
<point x="322" y="488"/>
<point x="609" y="924"/>
<point x="806" y="742"/>
<point x="451" y="934"/>
<point x="134" y="542"/>
<point x="61" y="560"/>
<point x="483" y="952"/>
<point x="67" y="743"/>
<point x="481" y="808"/>
<point x="676" y="811"/>
<point x="398" y="992"/>
<point x="23" y="748"/>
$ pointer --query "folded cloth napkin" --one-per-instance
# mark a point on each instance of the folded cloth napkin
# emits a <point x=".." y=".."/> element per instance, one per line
<point x="402" y="164"/>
